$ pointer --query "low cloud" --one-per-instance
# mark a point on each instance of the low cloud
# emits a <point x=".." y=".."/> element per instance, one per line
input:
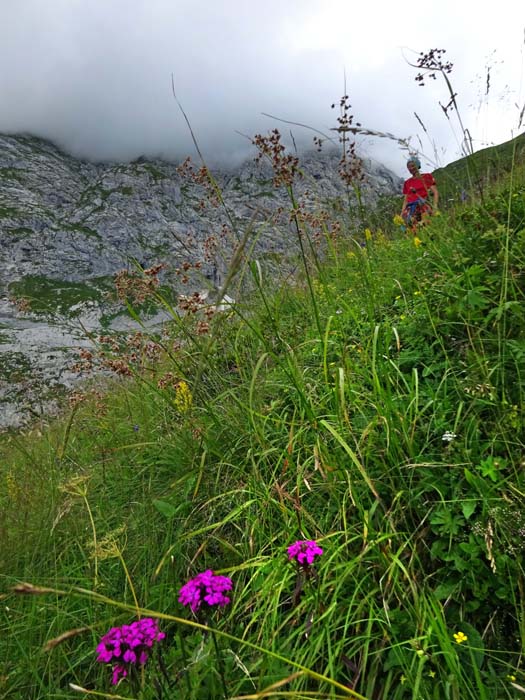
<point x="96" y="77"/>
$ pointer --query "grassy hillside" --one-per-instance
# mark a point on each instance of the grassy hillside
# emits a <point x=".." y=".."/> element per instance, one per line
<point x="477" y="174"/>
<point x="373" y="405"/>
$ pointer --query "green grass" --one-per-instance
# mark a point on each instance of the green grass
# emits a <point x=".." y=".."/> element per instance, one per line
<point x="46" y="295"/>
<point x="479" y="172"/>
<point x="318" y="411"/>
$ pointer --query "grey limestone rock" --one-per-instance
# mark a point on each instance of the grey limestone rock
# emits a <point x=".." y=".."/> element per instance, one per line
<point x="76" y="222"/>
<point x="67" y="219"/>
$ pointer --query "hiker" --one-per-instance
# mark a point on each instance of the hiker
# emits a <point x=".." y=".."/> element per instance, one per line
<point x="416" y="190"/>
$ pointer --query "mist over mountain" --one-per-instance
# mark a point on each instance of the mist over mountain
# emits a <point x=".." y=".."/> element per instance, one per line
<point x="96" y="78"/>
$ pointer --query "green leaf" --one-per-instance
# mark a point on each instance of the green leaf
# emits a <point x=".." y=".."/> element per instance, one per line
<point x="468" y="507"/>
<point x="491" y="466"/>
<point x="445" y="590"/>
<point x="445" y="521"/>
<point x="475" y="642"/>
<point x="165" y="508"/>
<point x="471" y="548"/>
<point x="474" y="299"/>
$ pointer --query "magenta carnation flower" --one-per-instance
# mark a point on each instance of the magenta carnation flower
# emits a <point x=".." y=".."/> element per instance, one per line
<point x="206" y="588"/>
<point x="128" y="645"/>
<point x="304" y="552"/>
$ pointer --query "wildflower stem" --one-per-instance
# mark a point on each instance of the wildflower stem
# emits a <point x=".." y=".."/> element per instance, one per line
<point x="62" y="448"/>
<point x="130" y="582"/>
<point x="97" y="694"/>
<point x="94" y="531"/>
<point x="304" y="259"/>
<point x="185" y="659"/>
<point x="220" y="664"/>
<point x="479" y="682"/>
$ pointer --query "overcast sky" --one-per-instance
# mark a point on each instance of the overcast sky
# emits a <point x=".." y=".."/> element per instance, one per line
<point x="95" y="75"/>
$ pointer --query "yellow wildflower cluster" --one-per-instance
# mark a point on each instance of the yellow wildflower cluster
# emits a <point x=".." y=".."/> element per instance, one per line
<point x="318" y="287"/>
<point x="183" y="397"/>
<point x="380" y="236"/>
<point x="323" y="291"/>
<point x="398" y="220"/>
<point x="12" y="486"/>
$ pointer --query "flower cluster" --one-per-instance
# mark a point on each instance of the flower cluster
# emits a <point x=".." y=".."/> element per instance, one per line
<point x="398" y="220"/>
<point x="128" y="645"/>
<point x="285" y="166"/>
<point x="304" y="552"/>
<point x="206" y="588"/>
<point x="183" y="397"/>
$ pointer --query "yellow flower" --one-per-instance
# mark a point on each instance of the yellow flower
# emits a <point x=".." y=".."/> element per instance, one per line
<point x="403" y="678"/>
<point x="417" y="294"/>
<point x="398" y="220"/>
<point x="368" y="234"/>
<point x="183" y="398"/>
<point x="511" y="677"/>
<point x="431" y="674"/>
<point x="417" y="241"/>
<point x="13" y="488"/>
<point x="460" y="637"/>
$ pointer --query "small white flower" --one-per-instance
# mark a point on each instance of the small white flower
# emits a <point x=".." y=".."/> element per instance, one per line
<point x="448" y="436"/>
<point x="339" y="311"/>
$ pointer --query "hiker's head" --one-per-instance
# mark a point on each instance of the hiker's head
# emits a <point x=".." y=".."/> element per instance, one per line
<point x="413" y="165"/>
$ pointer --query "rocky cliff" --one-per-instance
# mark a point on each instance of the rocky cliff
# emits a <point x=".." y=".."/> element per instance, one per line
<point x="66" y="219"/>
<point x="67" y="226"/>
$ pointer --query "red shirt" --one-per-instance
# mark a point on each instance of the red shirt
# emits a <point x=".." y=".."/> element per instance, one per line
<point x="416" y="187"/>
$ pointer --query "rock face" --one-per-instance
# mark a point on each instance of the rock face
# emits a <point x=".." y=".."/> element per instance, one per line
<point x="70" y="220"/>
<point x="69" y="226"/>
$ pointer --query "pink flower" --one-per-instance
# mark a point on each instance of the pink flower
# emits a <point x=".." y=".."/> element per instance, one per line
<point x="127" y="645"/>
<point x="304" y="552"/>
<point x="118" y="672"/>
<point x="206" y="588"/>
